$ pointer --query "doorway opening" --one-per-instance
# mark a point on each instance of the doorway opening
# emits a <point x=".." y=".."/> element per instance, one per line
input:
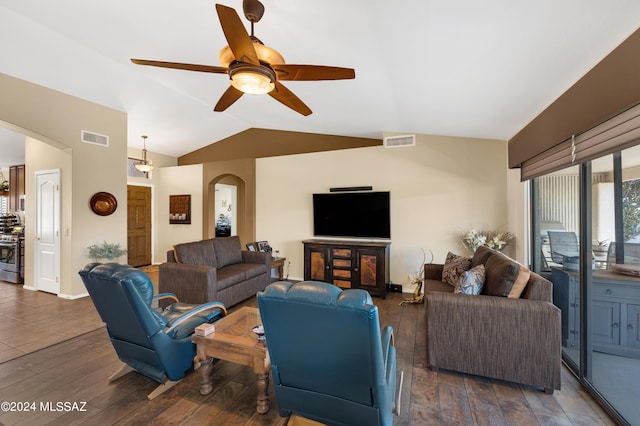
<point x="227" y="197"/>
<point x="226" y="202"/>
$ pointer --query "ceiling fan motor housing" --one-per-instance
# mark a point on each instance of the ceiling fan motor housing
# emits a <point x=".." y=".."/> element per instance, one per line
<point x="253" y="10"/>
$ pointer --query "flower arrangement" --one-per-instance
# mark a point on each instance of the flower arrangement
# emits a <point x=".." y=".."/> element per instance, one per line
<point x="496" y="240"/>
<point x="106" y="251"/>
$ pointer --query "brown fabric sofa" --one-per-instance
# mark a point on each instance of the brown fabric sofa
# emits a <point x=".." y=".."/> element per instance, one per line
<point x="512" y="339"/>
<point x="215" y="269"/>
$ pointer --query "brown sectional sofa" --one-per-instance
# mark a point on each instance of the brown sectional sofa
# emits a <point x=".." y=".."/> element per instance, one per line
<point x="215" y="269"/>
<point x="512" y="339"/>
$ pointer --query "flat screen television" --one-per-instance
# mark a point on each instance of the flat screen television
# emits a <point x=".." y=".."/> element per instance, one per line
<point x="352" y="214"/>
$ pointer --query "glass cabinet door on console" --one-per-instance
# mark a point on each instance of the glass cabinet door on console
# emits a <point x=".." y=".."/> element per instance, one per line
<point x="318" y="264"/>
<point x="368" y="268"/>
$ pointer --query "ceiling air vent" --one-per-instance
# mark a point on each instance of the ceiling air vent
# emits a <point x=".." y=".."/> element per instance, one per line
<point x="399" y="141"/>
<point x="95" y="138"/>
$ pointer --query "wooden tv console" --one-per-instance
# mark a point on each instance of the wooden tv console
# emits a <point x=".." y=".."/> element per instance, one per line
<point x="348" y="264"/>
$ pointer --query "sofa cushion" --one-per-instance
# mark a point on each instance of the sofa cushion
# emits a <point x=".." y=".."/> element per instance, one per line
<point x="437" y="285"/>
<point x="251" y="269"/>
<point x="501" y="274"/>
<point x="228" y="250"/>
<point x="481" y="256"/>
<point x="230" y="275"/>
<point x="472" y="281"/>
<point x="454" y="267"/>
<point x="233" y="274"/>
<point x="196" y="253"/>
<point x="521" y="282"/>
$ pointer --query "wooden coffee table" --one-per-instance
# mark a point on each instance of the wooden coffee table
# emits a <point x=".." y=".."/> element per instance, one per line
<point x="234" y="341"/>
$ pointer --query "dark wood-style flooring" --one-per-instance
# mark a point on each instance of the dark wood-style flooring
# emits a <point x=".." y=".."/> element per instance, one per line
<point x="76" y="371"/>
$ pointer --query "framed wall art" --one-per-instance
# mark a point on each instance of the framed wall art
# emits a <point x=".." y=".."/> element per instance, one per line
<point x="180" y="209"/>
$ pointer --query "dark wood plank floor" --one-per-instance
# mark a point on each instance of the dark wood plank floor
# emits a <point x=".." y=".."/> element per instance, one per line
<point x="76" y="370"/>
<point x="32" y="320"/>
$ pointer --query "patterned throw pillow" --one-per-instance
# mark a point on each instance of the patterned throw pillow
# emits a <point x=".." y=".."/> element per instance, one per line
<point x="472" y="281"/>
<point x="454" y="267"/>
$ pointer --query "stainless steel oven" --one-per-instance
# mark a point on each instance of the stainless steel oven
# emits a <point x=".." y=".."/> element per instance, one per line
<point x="10" y="259"/>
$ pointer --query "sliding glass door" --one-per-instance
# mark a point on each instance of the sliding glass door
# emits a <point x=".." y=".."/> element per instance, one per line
<point x="586" y="234"/>
<point x="612" y="343"/>
<point x="556" y="252"/>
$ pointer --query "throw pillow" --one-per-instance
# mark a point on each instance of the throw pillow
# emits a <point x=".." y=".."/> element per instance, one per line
<point x="481" y="256"/>
<point x="502" y="273"/>
<point x="454" y="267"/>
<point x="472" y="281"/>
<point x="520" y="283"/>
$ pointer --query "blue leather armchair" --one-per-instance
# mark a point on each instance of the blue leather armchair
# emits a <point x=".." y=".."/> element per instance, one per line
<point x="329" y="360"/>
<point x="156" y="343"/>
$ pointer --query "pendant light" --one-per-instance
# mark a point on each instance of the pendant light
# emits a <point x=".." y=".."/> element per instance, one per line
<point x="145" y="166"/>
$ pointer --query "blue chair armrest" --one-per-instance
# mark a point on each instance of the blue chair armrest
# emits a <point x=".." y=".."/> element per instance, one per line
<point x="165" y="296"/>
<point x="388" y="352"/>
<point x="200" y="309"/>
<point x="387" y="342"/>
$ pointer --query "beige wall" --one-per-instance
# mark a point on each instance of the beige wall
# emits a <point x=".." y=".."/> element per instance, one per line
<point x="176" y="181"/>
<point x="439" y="188"/>
<point x="519" y="215"/>
<point x="239" y="172"/>
<point x="41" y="156"/>
<point x="56" y="119"/>
<point x="161" y="231"/>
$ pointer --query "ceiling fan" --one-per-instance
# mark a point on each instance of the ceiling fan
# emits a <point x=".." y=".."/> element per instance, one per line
<point x="253" y="67"/>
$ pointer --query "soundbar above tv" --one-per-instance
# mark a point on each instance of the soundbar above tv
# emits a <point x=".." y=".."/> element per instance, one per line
<point x="352" y="214"/>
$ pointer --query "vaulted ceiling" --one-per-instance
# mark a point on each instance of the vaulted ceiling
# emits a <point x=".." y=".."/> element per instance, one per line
<point x="464" y="68"/>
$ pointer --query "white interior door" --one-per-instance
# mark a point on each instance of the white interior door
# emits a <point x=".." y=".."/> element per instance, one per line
<point x="47" y="228"/>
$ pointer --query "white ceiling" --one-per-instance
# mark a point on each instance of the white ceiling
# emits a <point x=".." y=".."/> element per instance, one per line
<point x="465" y="68"/>
<point x="11" y="149"/>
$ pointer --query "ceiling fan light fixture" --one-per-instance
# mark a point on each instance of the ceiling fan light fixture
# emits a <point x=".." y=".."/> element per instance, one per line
<point x="145" y="166"/>
<point x="265" y="54"/>
<point x="251" y="79"/>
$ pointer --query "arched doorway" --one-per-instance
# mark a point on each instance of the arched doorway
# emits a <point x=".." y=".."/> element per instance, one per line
<point x="229" y="187"/>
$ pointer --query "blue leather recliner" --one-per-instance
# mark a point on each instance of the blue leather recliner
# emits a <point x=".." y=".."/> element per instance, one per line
<point x="330" y="362"/>
<point x="156" y="343"/>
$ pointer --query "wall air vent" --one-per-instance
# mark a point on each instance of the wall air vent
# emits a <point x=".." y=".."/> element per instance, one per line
<point x="95" y="138"/>
<point x="399" y="141"/>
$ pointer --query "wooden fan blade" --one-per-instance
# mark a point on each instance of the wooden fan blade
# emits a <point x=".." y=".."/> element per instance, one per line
<point x="228" y="98"/>
<point x="236" y="35"/>
<point x="286" y="97"/>
<point x="181" y="66"/>
<point x="312" y="72"/>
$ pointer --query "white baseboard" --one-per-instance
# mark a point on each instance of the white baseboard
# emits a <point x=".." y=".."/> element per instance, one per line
<point x="73" y="296"/>
<point x="61" y="295"/>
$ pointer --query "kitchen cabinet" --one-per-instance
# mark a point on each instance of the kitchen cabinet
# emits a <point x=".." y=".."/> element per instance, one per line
<point x="16" y="188"/>
<point x="348" y="264"/>
<point x="632" y="329"/>
<point x="614" y="310"/>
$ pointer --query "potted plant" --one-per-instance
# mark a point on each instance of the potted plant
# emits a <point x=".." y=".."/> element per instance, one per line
<point x="106" y="251"/>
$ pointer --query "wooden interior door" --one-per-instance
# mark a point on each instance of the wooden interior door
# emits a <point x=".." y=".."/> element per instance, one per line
<point x="138" y="225"/>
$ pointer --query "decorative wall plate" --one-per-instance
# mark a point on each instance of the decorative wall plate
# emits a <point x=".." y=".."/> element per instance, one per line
<point x="103" y="203"/>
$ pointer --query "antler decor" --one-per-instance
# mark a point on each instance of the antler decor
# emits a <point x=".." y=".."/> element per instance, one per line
<point x="418" y="297"/>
